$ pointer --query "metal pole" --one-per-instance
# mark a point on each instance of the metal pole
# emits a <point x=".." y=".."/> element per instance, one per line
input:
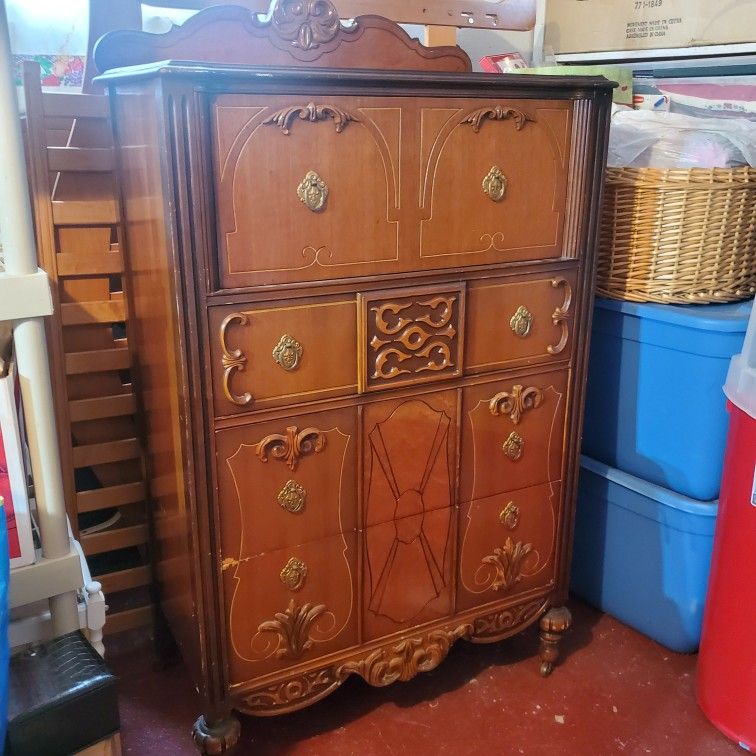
<point x="29" y="337"/>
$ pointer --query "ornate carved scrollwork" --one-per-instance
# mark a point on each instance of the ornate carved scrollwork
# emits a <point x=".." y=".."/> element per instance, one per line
<point x="517" y="403"/>
<point x="411" y="335"/>
<point x="561" y="315"/>
<point x="307" y="24"/>
<point x="404" y="660"/>
<point x="294" y="693"/>
<point x="521" y="322"/>
<point x="495" y="184"/>
<point x="293" y="629"/>
<point x="507" y="621"/>
<point x="507" y="562"/>
<point x="291" y="447"/>
<point x="311" y="112"/>
<point x="497" y="113"/>
<point x="292" y="497"/>
<point x="233" y="360"/>
<point x="514" y="446"/>
<point x="401" y="660"/>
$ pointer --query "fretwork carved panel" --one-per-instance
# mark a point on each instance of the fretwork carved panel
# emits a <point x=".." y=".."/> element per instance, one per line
<point x="409" y="337"/>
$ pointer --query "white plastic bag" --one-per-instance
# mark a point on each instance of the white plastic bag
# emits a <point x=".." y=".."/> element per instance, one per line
<point x="643" y="138"/>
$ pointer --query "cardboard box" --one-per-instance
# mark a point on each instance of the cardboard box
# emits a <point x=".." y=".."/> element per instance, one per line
<point x="575" y="26"/>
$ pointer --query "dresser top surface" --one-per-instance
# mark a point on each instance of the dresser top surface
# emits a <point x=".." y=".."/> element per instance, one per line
<point x="217" y="76"/>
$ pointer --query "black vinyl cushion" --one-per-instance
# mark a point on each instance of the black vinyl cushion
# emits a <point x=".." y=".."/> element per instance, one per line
<point x="61" y="699"/>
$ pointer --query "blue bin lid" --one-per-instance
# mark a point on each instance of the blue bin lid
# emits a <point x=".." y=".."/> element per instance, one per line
<point x="731" y="318"/>
<point x="656" y="502"/>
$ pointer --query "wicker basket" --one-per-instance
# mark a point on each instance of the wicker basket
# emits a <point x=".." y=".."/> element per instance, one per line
<point x="678" y="236"/>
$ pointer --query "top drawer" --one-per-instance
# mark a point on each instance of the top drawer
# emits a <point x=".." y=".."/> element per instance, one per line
<point x="336" y="187"/>
<point x="306" y="190"/>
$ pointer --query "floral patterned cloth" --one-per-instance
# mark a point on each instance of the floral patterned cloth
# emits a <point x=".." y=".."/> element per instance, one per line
<point x="57" y="70"/>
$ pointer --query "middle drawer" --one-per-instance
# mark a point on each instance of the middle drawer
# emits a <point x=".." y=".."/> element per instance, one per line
<point x="287" y="481"/>
<point x="266" y="355"/>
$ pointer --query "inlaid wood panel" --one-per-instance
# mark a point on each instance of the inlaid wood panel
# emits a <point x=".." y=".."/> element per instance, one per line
<point x="296" y="177"/>
<point x="507" y="544"/>
<point x="409" y="465"/>
<point x="290" y="606"/>
<point x="286" y="482"/>
<point x="275" y="354"/>
<point x="408" y="571"/>
<point x="493" y="180"/>
<point x="512" y="434"/>
<point x="512" y="322"/>
<point x="410" y="336"/>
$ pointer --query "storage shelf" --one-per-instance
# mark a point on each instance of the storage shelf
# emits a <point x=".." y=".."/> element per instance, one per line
<point x="45" y="578"/>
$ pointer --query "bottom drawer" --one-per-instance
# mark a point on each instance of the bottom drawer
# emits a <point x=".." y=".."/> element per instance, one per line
<point x="507" y="544"/>
<point x="289" y="606"/>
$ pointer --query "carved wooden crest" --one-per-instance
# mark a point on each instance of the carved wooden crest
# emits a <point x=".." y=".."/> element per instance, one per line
<point x="298" y="31"/>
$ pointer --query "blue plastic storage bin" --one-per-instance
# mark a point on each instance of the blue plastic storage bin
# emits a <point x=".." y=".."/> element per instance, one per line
<point x="642" y="554"/>
<point x="654" y="406"/>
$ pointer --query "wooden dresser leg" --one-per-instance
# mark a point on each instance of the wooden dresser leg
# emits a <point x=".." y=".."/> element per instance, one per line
<point x="216" y="738"/>
<point x="553" y="625"/>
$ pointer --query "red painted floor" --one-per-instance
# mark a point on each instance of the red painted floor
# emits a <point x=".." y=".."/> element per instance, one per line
<point x="615" y="691"/>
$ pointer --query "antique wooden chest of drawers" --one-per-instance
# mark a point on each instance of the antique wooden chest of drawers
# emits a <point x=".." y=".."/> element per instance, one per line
<point x="362" y="302"/>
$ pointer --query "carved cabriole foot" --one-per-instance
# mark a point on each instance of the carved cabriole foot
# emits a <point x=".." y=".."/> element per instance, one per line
<point x="553" y="625"/>
<point x="218" y="738"/>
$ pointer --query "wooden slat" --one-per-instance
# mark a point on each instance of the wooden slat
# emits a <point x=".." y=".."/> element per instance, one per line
<point x="108" y="263"/>
<point x="74" y="105"/>
<point x="83" y="313"/>
<point x="102" y="454"/>
<point x="117" y="538"/>
<point x="101" y="212"/>
<point x="129" y="620"/>
<point x="97" y="361"/>
<point x="81" y="159"/>
<point x="101" y="407"/>
<point x="113" y="496"/>
<point x="440" y="36"/>
<point x="123" y="580"/>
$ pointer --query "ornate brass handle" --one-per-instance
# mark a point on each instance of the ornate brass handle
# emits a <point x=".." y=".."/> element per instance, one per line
<point x="288" y="352"/>
<point x="233" y="360"/>
<point x="292" y="497"/>
<point x="521" y="322"/>
<point x="514" y="446"/>
<point x="510" y="516"/>
<point x="293" y="574"/>
<point x="495" y="184"/>
<point x="313" y="192"/>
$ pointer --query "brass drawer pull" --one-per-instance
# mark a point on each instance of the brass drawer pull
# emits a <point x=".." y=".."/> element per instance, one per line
<point x="521" y="322"/>
<point x="292" y="497"/>
<point x="514" y="446"/>
<point x="495" y="184"/>
<point x="313" y="192"/>
<point x="293" y="574"/>
<point x="510" y="516"/>
<point x="288" y="353"/>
